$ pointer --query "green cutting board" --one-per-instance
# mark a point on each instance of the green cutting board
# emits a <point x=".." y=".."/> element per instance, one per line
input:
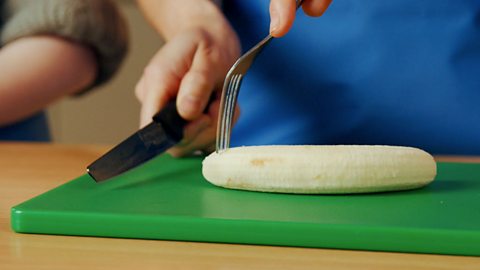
<point x="168" y="198"/>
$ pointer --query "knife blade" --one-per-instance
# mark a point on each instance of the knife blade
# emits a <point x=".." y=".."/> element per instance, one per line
<point x="165" y="131"/>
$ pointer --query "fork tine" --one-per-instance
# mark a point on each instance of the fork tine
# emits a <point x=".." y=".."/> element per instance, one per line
<point x="230" y="90"/>
<point x="230" y="108"/>
<point x="230" y="93"/>
<point x="225" y="112"/>
<point x="221" y="129"/>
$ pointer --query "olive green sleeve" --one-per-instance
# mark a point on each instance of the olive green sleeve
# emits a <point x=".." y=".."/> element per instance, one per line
<point x="97" y="24"/>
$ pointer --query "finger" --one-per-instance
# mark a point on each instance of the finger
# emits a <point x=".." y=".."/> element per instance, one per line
<point x="194" y="92"/>
<point x="209" y="149"/>
<point x="192" y="129"/>
<point x="282" y="14"/>
<point x="159" y="88"/>
<point x="162" y="77"/>
<point x="203" y="138"/>
<point x="315" y="8"/>
<point x="198" y="83"/>
<point x="150" y="107"/>
<point x="150" y="95"/>
<point x="140" y="89"/>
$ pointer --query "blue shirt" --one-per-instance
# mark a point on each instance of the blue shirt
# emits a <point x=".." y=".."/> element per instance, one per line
<point x="396" y="72"/>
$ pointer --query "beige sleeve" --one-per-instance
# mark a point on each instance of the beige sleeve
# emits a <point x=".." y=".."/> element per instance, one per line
<point x="95" y="23"/>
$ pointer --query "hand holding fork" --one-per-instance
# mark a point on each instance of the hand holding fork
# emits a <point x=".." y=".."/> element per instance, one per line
<point x="194" y="62"/>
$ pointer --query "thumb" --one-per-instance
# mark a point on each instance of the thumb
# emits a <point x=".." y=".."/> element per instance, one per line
<point x="282" y="14"/>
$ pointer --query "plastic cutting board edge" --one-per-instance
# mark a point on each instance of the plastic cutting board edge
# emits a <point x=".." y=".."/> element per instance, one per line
<point x="168" y="198"/>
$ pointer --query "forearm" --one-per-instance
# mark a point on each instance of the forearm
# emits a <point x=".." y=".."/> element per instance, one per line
<point x="170" y="17"/>
<point x="36" y="71"/>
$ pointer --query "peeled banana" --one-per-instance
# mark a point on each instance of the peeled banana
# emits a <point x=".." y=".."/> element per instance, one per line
<point x="320" y="169"/>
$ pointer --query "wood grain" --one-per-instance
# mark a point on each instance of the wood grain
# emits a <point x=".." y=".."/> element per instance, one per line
<point x="27" y="170"/>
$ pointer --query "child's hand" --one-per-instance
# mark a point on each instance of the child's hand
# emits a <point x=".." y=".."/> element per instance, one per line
<point x="189" y="67"/>
<point x="282" y="13"/>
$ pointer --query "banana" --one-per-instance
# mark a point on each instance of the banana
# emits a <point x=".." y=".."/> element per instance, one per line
<point x="322" y="169"/>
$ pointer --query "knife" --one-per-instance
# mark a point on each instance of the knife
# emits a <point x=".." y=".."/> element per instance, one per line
<point x="165" y="131"/>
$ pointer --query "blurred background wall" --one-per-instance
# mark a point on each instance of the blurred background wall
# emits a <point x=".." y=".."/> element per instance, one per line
<point x="111" y="112"/>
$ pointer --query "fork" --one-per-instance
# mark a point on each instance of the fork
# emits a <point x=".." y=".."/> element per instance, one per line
<point x="231" y="87"/>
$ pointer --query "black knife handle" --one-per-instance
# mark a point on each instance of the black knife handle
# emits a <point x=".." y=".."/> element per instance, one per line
<point x="171" y="120"/>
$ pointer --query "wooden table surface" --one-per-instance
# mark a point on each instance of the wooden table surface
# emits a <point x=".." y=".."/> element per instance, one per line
<point x="27" y="170"/>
